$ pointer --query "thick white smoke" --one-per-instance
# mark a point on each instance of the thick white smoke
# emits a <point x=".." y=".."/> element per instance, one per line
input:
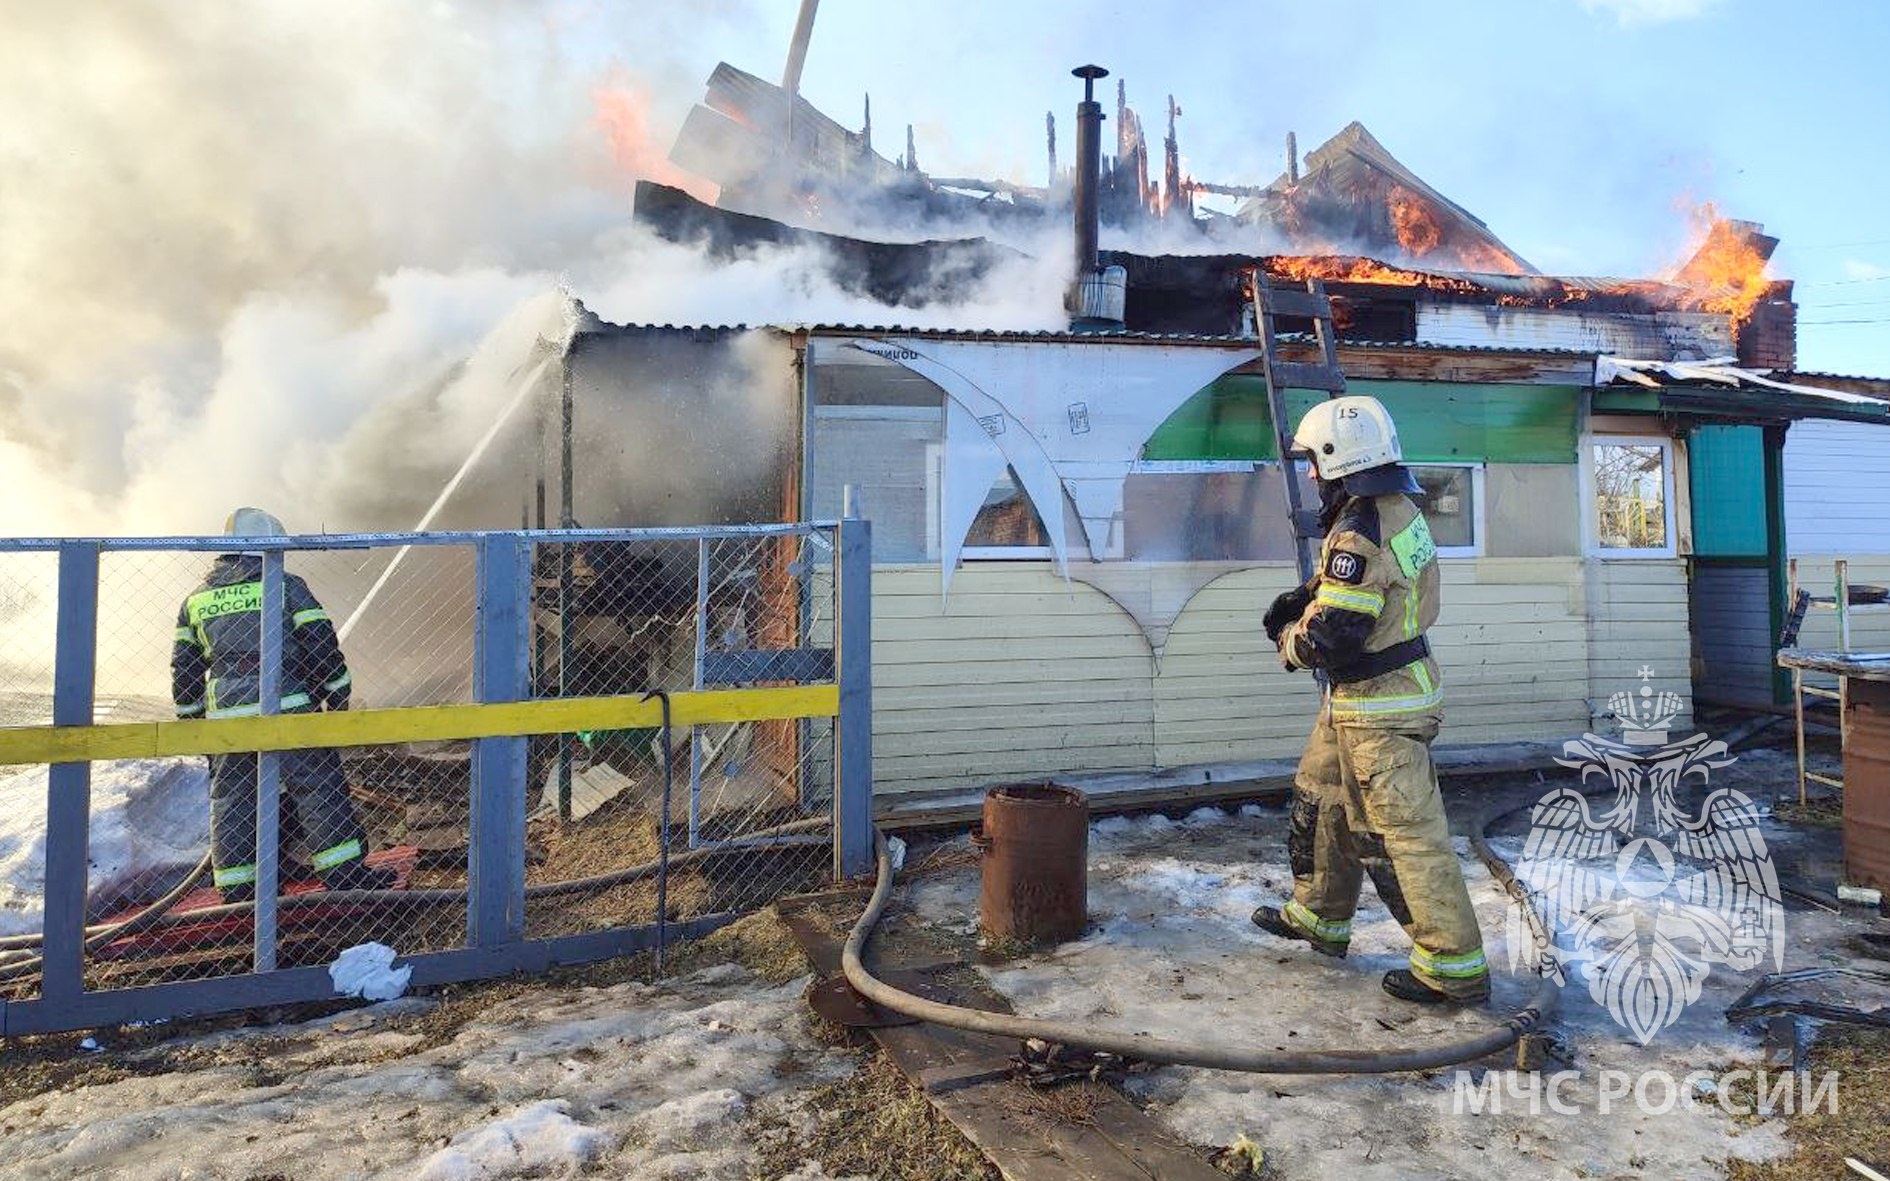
<point x="252" y="251"/>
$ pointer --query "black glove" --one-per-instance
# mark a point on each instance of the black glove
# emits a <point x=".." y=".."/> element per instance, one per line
<point x="1285" y="609"/>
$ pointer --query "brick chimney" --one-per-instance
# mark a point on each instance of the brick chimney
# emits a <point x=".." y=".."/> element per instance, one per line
<point x="1769" y="337"/>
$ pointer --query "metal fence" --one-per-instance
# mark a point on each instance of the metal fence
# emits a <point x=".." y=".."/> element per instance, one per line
<point x="544" y="747"/>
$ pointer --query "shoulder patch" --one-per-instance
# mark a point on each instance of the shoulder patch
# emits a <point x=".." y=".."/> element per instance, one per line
<point x="1345" y="566"/>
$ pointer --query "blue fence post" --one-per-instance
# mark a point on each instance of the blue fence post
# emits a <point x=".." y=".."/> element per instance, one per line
<point x="853" y="661"/>
<point x="501" y="672"/>
<point x="269" y="765"/>
<point x="69" y="785"/>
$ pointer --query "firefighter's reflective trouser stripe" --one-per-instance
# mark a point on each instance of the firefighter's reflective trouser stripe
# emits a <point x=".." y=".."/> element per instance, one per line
<point x="1366" y="801"/>
<point x="315" y="806"/>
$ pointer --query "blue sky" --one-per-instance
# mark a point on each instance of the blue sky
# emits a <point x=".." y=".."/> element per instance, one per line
<point x="1581" y="130"/>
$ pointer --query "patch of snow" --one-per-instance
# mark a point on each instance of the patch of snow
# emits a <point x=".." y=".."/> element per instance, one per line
<point x="367" y="971"/>
<point x="633" y="1080"/>
<point x="150" y="822"/>
<point x="896" y="851"/>
<point x="1173" y="954"/>
<point x="532" y="1139"/>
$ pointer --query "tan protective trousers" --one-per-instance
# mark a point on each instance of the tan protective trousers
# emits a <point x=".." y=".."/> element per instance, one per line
<point x="1367" y="801"/>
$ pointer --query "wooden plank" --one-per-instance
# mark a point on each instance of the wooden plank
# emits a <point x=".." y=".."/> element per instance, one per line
<point x="1294" y="375"/>
<point x="1023" y="1139"/>
<point x="1294" y="301"/>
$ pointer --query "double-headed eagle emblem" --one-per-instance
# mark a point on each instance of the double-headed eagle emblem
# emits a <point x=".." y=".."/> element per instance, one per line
<point x="1640" y="897"/>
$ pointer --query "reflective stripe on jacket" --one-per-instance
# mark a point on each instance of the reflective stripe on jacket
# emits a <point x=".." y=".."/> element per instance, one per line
<point x="1376" y="596"/>
<point x="216" y="651"/>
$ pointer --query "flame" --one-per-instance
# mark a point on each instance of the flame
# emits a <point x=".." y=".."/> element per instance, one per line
<point x="1343" y="268"/>
<point x="623" y="115"/>
<point x="1727" y="270"/>
<point x="1416" y="226"/>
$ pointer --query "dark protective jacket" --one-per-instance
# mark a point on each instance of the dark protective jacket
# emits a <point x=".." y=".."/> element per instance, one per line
<point x="1376" y="596"/>
<point x="216" y="658"/>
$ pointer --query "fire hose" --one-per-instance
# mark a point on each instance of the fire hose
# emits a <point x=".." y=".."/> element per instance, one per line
<point x="1513" y="1028"/>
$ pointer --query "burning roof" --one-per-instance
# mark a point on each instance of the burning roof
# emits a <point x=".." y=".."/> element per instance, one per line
<point x="1354" y="197"/>
<point x="1355" y="217"/>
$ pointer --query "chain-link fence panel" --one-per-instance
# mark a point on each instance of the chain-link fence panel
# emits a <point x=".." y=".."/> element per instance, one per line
<point x="685" y="821"/>
<point x="371" y="842"/>
<point x="29" y="606"/>
<point x="650" y="823"/>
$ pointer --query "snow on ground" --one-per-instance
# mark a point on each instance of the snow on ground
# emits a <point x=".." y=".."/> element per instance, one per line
<point x="150" y="821"/>
<point x="1171" y="951"/>
<point x="631" y="1080"/>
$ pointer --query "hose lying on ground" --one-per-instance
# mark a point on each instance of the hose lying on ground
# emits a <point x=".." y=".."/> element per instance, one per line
<point x="157" y="915"/>
<point x="1216" y="1057"/>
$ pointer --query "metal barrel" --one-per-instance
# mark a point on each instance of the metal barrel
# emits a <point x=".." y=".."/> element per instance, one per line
<point x="1035" y="841"/>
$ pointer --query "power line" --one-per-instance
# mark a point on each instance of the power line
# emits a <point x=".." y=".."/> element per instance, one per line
<point x="1855" y="303"/>
<point x="1843" y="282"/>
<point x="1827" y="323"/>
<point x="1839" y="245"/>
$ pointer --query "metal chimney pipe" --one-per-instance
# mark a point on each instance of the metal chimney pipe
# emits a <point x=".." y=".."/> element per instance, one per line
<point x="1089" y="117"/>
<point x="1292" y="159"/>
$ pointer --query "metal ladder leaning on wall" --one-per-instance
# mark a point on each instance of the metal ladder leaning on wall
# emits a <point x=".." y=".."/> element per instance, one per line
<point x="1802" y="602"/>
<point x="1312" y="303"/>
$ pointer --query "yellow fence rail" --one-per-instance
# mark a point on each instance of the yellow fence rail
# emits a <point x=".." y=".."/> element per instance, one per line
<point x="433" y="723"/>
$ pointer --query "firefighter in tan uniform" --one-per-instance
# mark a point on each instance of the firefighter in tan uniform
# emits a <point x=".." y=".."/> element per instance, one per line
<point x="1366" y="798"/>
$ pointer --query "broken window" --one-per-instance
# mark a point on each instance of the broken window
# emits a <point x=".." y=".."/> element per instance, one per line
<point x="1632" y="497"/>
<point x="1452" y="503"/>
<point x="1007" y="520"/>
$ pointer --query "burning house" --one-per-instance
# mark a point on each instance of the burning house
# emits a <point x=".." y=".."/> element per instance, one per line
<point x="1077" y="531"/>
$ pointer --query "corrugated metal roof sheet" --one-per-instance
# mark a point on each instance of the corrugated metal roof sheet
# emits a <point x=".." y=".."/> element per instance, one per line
<point x="1064" y="336"/>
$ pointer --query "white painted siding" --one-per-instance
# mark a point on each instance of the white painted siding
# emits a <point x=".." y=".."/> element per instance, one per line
<point x="1020" y="674"/>
<point x="1661" y="336"/>
<point x="1837" y="488"/>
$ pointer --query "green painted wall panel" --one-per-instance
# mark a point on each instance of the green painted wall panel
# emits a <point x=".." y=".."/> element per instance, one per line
<point x="1728" y="484"/>
<point x="1437" y="421"/>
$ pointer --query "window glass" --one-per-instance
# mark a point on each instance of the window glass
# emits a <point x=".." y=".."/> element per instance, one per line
<point x="1448" y="504"/>
<point x="1007" y="518"/>
<point x="1630" y="495"/>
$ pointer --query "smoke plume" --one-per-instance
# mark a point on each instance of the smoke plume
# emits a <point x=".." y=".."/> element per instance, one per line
<point x="298" y="255"/>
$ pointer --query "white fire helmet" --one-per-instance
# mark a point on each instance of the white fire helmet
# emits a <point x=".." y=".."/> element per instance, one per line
<point x="253" y="522"/>
<point x="1345" y="436"/>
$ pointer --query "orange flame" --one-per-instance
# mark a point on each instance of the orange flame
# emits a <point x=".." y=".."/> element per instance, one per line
<point x="1415" y="224"/>
<point x="623" y="115"/>
<point x="1727" y="270"/>
<point x="1341" y="268"/>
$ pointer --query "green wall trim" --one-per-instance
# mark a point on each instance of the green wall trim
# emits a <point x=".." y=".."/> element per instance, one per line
<point x="1438" y="422"/>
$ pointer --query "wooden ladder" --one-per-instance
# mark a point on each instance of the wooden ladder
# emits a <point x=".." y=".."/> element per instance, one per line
<point x="1308" y="302"/>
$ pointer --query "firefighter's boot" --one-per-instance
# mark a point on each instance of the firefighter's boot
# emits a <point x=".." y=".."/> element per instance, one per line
<point x="1274" y="921"/>
<point x="1404" y="984"/>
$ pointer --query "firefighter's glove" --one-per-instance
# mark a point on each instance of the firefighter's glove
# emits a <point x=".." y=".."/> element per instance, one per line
<point x="336" y="702"/>
<point x="1285" y="609"/>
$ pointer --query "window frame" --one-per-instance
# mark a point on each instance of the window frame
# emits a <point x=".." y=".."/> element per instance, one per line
<point x="1669" y="475"/>
<point x="1479" y="515"/>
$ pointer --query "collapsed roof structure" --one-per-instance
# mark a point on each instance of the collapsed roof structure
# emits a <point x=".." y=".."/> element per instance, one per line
<point x="1402" y="261"/>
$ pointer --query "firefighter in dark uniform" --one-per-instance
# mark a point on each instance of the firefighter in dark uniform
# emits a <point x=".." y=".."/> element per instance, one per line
<point x="1366" y="798"/>
<point x="215" y="663"/>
